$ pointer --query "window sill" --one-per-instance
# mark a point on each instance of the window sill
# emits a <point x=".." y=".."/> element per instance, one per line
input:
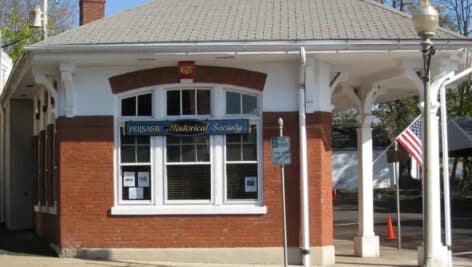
<point x="189" y="210"/>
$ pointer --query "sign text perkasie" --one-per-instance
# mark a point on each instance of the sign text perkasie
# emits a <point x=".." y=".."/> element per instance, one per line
<point x="187" y="127"/>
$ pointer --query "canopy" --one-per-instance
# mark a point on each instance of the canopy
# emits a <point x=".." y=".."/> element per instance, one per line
<point x="460" y="137"/>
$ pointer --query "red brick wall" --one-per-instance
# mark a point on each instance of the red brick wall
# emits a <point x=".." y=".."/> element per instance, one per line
<point x="319" y="174"/>
<point x="91" y="10"/>
<point x="86" y="196"/>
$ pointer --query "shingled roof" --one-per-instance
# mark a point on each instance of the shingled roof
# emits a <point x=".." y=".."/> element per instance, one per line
<point x="170" y="21"/>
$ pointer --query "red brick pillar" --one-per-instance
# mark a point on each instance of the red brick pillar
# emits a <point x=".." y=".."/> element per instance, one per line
<point x="319" y="137"/>
<point x="272" y="178"/>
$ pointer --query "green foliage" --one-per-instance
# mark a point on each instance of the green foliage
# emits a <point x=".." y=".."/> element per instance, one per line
<point x="396" y="115"/>
<point x="459" y="100"/>
<point x="14" y="22"/>
<point x="19" y="34"/>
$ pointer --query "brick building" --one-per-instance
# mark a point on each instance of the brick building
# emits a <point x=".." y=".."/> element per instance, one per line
<point x="149" y="132"/>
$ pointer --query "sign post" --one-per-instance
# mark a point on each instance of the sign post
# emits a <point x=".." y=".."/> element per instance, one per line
<point x="395" y="156"/>
<point x="281" y="155"/>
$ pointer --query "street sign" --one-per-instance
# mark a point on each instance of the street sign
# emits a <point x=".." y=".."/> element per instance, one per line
<point x="397" y="155"/>
<point x="281" y="152"/>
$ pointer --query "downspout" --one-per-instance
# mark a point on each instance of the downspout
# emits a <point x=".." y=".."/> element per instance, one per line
<point x="305" y="222"/>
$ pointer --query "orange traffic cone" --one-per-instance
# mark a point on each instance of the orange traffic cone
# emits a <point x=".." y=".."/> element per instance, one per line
<point x="390" y="231"/>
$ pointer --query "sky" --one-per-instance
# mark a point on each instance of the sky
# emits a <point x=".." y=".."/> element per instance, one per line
<point x="115" y="6"/>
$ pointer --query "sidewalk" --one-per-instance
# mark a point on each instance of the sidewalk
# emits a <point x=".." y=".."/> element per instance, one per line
<point x="389" y="257"/>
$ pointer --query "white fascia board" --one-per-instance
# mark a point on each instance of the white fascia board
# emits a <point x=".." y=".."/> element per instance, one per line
<point x="312" y="45"/>
<point x="16" y="76"/>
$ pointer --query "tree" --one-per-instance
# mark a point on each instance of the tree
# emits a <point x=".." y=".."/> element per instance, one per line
<point x="14" y="22"/>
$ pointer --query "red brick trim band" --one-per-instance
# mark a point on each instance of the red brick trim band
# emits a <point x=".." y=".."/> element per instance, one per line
<point x="203" y="74"/>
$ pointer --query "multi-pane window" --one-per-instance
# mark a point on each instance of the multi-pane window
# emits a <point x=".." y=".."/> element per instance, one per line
<point x="241" y="166"/>
<point x="241" y="104"/>
<point x="137" y="105"/>
<point x="188" y="102"/>
<point x="188" y="168"/>
<point x="190" y="171"/>
<point x="135" y="167"/>
<point x="135" y="152"/>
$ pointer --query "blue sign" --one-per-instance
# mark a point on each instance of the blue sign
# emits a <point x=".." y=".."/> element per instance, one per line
<point x="187" y="127"/>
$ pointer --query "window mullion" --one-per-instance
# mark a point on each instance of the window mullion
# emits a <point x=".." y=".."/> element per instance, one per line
<point x="195" y="96"/>
<point x="181" y="101"/>
<point x="158" y="162"/>
<point x="218" y="177"/>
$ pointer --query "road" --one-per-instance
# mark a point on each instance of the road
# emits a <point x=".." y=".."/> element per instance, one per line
<point x="345" y="221"/>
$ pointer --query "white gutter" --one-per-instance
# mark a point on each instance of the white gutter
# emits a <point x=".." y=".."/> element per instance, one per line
<point x="311" y="45"/>
<point x="19" y="70"/>
<point x="305" y="220"/>
<point x="445" y="161"/>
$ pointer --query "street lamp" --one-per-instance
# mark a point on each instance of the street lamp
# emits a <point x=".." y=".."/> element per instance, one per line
<point x="39" y="18"/>
<point x="425" y="20"/>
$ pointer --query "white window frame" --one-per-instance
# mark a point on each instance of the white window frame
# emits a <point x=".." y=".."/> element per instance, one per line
<point x="159" y="204"/>
<point x="254" y="119"/>
<point x="121" y="120"/>
<point x="167" y="201"/>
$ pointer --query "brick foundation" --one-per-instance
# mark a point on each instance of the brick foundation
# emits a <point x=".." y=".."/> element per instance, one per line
<point x="86" y="195"/>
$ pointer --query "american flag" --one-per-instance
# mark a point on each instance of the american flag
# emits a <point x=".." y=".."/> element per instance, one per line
<point x="411" y="140"/>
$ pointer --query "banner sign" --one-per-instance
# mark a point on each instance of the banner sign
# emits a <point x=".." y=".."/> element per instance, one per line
<point x="187" y="127"/>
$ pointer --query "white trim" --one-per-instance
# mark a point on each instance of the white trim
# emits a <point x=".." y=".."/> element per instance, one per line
<point x="159" y="204"/>
<point x="188" y="210"/>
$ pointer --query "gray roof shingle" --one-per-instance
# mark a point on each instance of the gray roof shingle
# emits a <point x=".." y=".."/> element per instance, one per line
<point x="164" y="21"/>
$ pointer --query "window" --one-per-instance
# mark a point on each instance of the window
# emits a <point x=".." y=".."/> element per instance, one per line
<point x="188" y="168"/>
<point x="186" y="173"/>
<point x="239" y="104"/>
<point x="241" y="166"/>
<point x="135" y="153"/>
<point x="188" y="102"/>
<point x="137" y="105"/>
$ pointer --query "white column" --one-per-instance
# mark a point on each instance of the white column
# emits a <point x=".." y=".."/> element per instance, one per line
<point x="366" y="243"/>
<point x="317" y="99"/>
<point x="432" y="213"/>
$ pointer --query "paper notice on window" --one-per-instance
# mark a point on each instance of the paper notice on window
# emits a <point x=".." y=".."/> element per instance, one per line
<point x="128" y="179"/>
<point x="136" y="193"/>
<point x="143" y="179"/>
<point x="250" y="184"/>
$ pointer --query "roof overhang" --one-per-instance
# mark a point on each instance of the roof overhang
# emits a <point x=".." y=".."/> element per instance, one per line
<point x="311" y="46"/>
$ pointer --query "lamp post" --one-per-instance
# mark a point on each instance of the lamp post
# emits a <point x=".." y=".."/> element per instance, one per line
<point x="40" y="19"/>
<point x="425" y="20"/>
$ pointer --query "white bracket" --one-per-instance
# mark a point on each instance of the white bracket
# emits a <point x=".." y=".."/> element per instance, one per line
<point x="41" y="79"/>
<point x="67" y="83"/>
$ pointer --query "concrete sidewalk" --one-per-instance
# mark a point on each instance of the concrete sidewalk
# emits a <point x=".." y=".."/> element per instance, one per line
<point x="389" y="257"/>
